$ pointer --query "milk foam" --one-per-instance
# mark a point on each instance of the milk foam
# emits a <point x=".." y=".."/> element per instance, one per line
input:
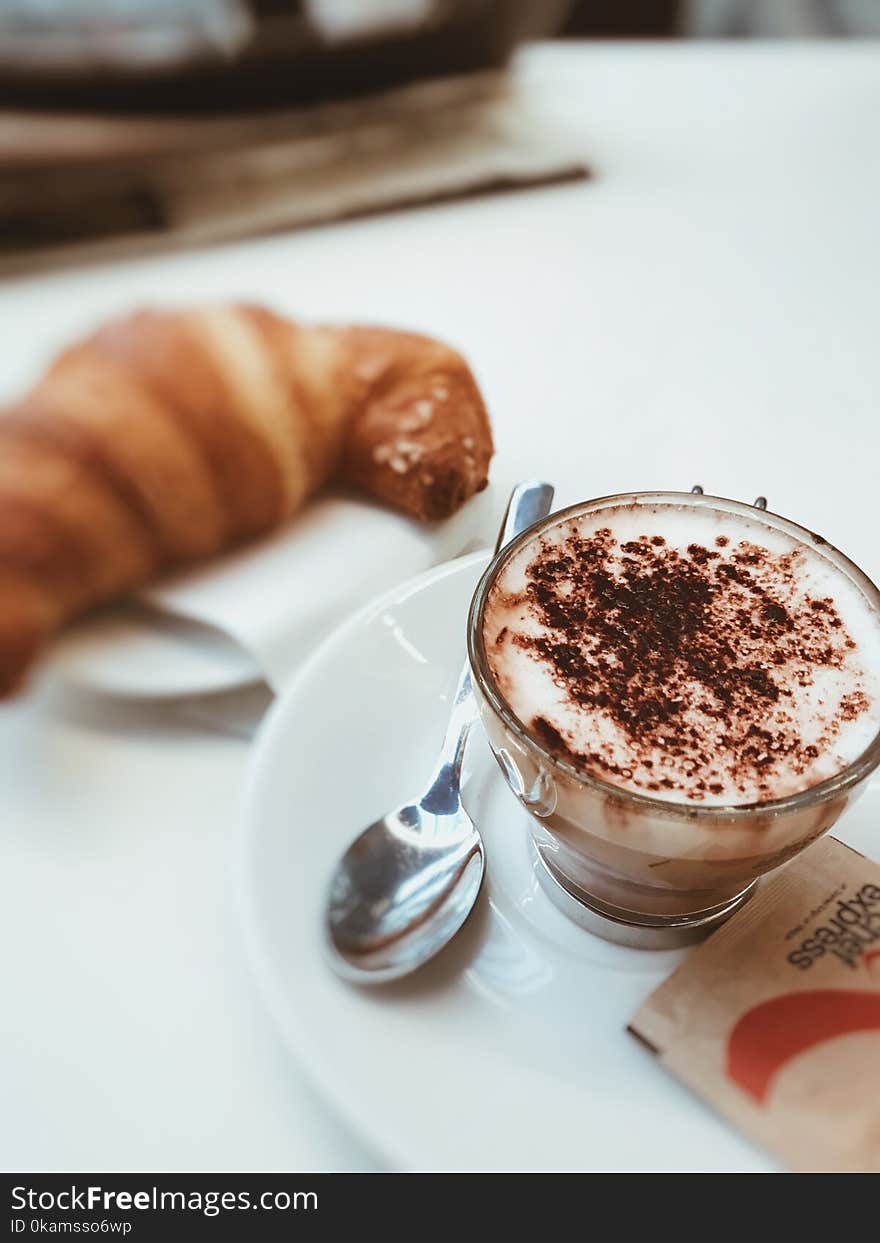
<point x="831" y="709"/>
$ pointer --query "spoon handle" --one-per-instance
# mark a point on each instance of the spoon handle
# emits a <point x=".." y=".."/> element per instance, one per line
<point x="529" y="502"/>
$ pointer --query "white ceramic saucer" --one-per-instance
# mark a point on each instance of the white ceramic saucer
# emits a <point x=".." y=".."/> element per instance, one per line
<point x="509" y="1051"/>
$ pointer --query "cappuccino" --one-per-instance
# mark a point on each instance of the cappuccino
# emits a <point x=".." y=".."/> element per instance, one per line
<point x="689" y="654"/>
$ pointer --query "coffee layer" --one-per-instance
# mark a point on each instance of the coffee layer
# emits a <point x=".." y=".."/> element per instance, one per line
<point x="686" y="653"/>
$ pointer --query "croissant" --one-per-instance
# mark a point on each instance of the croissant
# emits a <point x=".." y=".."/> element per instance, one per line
<point x="170" y="436"/>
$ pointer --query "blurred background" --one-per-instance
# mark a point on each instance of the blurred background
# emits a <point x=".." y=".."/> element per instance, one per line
<point x="153" y="123"/>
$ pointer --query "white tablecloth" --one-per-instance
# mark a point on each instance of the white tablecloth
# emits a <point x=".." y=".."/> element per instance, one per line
<point x="703" y="311"/>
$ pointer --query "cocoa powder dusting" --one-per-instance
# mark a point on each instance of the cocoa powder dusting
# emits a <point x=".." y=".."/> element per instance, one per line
<point x="690" y="656"/>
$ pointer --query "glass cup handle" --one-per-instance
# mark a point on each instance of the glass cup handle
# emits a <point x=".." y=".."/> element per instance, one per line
<point x="537" y="794"/>
<point x="760" y="502"/>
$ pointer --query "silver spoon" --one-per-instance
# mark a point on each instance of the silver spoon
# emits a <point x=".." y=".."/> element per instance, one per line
<point x="406" y="885"/>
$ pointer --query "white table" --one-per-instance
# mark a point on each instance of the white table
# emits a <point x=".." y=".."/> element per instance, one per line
<point x="704" y="311"/>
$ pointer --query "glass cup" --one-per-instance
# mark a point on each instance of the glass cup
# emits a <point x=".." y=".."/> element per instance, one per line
<point x="634" y="860"/>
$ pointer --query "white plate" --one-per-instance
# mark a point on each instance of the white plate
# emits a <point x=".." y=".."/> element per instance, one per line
<point x="132" y="650"/>
<point x="509" y="1051"/>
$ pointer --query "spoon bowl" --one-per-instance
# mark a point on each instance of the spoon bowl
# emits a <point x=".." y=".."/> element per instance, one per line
<point x="405" y="884"/>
